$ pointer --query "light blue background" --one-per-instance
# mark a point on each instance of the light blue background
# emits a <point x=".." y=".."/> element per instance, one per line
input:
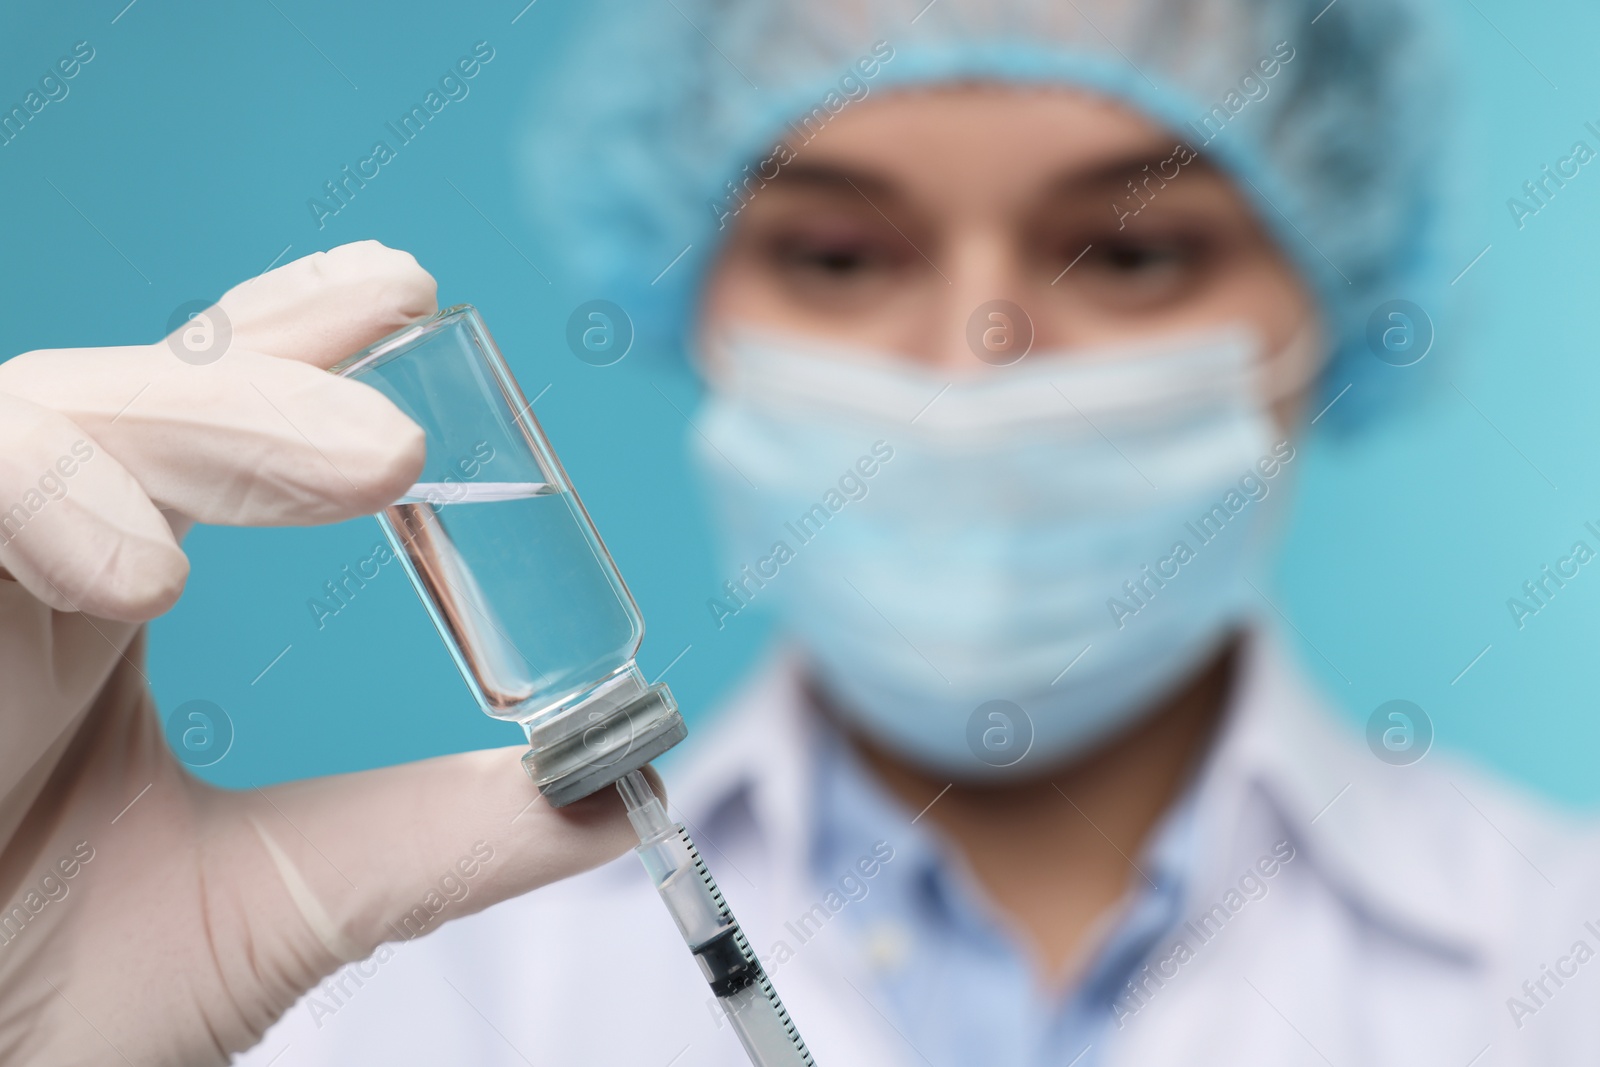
<point x="181" y="163"/>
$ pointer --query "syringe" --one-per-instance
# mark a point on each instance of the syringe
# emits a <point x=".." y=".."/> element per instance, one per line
<point x="713" y="935"/>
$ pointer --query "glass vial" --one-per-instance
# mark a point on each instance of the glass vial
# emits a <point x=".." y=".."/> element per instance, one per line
<point x="509" y="564"/>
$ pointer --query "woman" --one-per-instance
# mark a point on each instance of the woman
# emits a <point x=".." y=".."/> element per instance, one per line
<point x="1009" y="317"/>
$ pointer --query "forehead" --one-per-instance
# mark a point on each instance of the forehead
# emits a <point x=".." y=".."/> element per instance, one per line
<point x="962" y="143"/>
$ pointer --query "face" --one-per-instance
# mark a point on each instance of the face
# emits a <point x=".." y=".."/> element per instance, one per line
<point x="911" y="209"/>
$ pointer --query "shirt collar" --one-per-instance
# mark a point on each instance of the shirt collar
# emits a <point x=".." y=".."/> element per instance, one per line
<point x="855" y="811"/>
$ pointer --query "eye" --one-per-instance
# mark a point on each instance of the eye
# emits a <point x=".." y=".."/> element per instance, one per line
<point x="834" y="257"/>
<point x="1135" y="256"/>
<point x="837" y="259"/>
<point x="1127" y="272"/>
<point x="829" y="261"/>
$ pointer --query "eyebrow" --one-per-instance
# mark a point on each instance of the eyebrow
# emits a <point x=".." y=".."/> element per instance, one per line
<point x="1116" y="171"/>
<point x="831" y="176"/>
<point x="874" y="186"/>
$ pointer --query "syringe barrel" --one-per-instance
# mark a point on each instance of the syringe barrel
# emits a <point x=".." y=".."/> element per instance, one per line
<point x="726" y="960"/>
<point x="671" y="862"/>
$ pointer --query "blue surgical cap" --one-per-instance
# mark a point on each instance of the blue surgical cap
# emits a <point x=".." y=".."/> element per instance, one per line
<point x="662" y="110"/>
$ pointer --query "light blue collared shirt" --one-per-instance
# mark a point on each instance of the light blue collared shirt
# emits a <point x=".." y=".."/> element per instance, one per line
<point x="951" y="977"/>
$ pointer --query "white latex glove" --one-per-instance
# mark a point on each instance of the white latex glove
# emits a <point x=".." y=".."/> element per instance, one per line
<point x="149" y="918"/>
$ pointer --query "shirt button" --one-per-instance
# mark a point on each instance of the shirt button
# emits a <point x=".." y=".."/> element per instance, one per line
<point x="887" y="946"/>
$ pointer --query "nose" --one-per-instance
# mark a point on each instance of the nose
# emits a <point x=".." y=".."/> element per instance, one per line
<point x="977" y="294"/>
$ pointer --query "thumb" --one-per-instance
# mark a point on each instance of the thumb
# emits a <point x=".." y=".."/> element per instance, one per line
<point x="328" y="869"/>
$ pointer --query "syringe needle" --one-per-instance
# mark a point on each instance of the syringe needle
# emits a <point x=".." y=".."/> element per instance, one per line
<point x="713" y="935"/>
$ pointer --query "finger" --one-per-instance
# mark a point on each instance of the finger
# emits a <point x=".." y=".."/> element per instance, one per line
<point x="357" y="860"/>
<point x="246" y="440"/>
<point x="328" y="305"/>
<point x="76" y="528"/>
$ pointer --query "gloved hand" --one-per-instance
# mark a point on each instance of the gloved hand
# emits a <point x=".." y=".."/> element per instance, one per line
<point x="149" y="918"/>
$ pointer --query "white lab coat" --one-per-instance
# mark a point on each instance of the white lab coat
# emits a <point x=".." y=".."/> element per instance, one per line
<point x="1418" y="902"/>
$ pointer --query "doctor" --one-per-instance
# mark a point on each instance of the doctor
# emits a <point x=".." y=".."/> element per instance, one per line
<point x="1010" y="316"/>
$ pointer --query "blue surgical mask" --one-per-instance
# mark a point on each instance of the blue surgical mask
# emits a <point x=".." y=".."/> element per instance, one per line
<point x="990" y="575"/>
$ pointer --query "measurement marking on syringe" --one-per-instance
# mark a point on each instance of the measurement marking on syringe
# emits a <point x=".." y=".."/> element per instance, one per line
<point x="728" y="963"/>
<point x="712" y="843"/>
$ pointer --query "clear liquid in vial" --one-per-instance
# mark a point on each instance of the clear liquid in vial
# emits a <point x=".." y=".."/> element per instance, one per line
<point x="526" y="607"/>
